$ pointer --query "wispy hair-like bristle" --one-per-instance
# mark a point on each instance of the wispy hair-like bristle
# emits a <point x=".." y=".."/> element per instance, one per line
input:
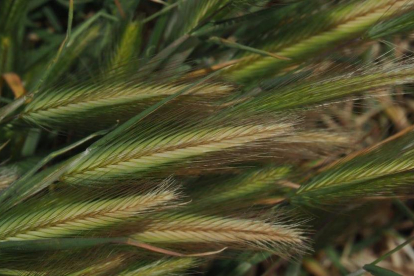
<point x="233" y="232"/>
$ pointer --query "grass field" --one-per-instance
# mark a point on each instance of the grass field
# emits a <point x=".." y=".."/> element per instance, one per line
<point x="207" y="137"/>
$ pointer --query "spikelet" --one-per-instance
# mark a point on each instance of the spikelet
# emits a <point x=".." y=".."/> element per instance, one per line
<point x="75" y="262"/>
<point x="161" y="267"/>
<point x="348" y="23"/>
<point x="380" y="171"/>
<point x="157" y="147"/>
<point x="194" y="12"/>
<point x="102" y="268"/>
<point x="127" y="47"/>
<point x="214" y="230"/>
<point x="238" y="193"/>
<point x="314" y="92"/>
<point x="89" y="102"/>
<point x="63" y="215"/>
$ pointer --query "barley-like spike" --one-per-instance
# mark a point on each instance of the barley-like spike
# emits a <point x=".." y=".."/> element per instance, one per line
<point x="63" y="216"/>
<point x="192" y="229"/>
<point x="240" y="192"/>
<point x="314" y="92"/>
<point x="380" y="172"/>
<point x="80" y="104"/>
<point x="350" y="25"/>
<point x="195" y="12"/>
<point x="167" y="267"/>
<point x="101" y="268"/>
<point x="157" y="147"/>
<point x="128" y="46"/>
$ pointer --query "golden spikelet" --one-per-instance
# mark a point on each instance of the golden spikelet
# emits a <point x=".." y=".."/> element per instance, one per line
<point x="177" y="229"/>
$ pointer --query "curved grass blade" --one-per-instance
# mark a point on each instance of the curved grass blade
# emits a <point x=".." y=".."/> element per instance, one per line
<point x="25" y="187"/>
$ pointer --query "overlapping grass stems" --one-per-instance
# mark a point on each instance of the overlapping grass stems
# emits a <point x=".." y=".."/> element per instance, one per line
<point x="190" y="163"/>
<point x="316" y="35"/>
<point x="379" y="171"/>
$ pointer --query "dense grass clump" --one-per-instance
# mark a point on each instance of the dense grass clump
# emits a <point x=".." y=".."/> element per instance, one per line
<point x="221" y="137"/>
